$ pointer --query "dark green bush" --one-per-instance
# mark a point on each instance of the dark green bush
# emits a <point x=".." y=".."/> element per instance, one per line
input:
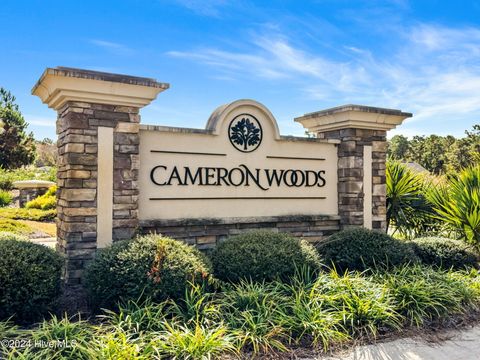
<point x="262" y="255"/>
<point x="362" y="249"/>
<point x="149" y="266"/>
<point x="445" y="253"/>
<point x="29" y="280"/>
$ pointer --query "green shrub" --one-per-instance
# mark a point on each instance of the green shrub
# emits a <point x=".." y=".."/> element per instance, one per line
<point x="5" y="235"/>
<point x="408" y="211"/>
<point x="457" y="203"/>
<point x="148" y="266"/>
<point x="5" y="198"/>
<point x="29" y="279"/>
<point x="262" y="255"/>
<point x="28" y="214"/>
<point x="14" y="226"/>
<point x="46" y="201"/>
<point x="7" y="177"/>
<point x="362" y="249"/>
<point x="445" y="253"/>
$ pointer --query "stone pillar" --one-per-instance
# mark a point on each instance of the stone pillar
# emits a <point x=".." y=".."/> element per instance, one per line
<point x="361" y="159"/>
<point x="98" y="161"/>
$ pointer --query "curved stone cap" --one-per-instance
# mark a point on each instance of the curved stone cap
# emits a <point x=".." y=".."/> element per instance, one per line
<point x="223" y="112"/>
<point x="33" y="184"/>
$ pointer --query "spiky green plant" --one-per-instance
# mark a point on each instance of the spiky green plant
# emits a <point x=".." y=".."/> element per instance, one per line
<point x="457" y="203"/>
<point x="195" y="342"/>
<point x="408" y="211"/>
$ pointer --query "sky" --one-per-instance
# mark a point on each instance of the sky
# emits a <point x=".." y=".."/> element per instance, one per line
<point x="295" y="57"/>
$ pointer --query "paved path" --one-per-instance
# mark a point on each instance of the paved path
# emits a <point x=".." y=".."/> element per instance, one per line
<point x="459" y="345"/>
<point x="50" y="242"/>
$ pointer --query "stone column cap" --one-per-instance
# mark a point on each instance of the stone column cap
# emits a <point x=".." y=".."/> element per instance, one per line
<point x="32" y="184"/>
<point x="353" y="116"/>
<point x="58" y="85"/>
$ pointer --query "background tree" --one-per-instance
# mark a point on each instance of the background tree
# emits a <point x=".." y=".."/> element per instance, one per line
<point x="17" y="148"/>
<point x="440" y="155"/>
<point x="398" y="148"/>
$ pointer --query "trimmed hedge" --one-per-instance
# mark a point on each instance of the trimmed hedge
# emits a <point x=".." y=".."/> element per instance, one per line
<point x="262" y="255"/>
<point x="29" y="280"/>
<point x="445" y="253"/>
<point x="362" y="249"/>
<point x="149" y="266"/>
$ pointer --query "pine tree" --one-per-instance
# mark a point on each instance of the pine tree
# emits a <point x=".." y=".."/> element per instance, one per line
<point x="17" y="148"/>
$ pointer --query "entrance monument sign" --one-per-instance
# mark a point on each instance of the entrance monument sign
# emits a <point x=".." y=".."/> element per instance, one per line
<point x="117" y="177"/>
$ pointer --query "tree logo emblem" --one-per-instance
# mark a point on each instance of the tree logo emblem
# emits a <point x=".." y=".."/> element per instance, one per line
<point x="245" y="132"/>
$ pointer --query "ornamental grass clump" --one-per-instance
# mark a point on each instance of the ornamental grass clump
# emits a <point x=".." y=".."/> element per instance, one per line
<point x="252" y="311"/>
<point x="457" y="203"/>
<point x="424" y="294"/>
<point x="148" y="266"/>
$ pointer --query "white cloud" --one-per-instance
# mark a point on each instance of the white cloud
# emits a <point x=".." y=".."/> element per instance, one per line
<point x="111" y="46"/>
<point x="204" y="7"/>
<point x="434" y="71"/>
<point x="40" y="121"/>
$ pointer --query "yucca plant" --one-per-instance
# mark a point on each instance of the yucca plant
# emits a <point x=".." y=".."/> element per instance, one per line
<point x="408" y="211"/>
<point x="457" y="203"/>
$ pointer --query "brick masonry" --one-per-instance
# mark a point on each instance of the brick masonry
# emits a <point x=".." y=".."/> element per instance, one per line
<point x="350" y="175"/>
<point x="77" y="127"/>
<point x="206" y="233"/>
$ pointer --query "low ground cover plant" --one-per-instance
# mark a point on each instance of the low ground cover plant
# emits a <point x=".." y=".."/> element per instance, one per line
<point x="28" y="214"/>
<point x="14" y="226"/>
<point x="162" y="307"/>
<point x="319" y="310"/>
<point x="262" y="255"/>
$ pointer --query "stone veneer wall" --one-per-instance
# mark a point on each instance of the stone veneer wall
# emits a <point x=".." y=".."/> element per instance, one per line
<point x="25" y="195"/>
<point x="350" y="175"/>
<point x="77" y="127"/>
<point x="206" y="233"/>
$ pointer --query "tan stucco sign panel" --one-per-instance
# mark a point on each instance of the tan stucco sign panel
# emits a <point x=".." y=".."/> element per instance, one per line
<point x="239" y="167"/>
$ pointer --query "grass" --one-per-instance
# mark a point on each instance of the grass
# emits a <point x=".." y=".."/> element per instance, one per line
<point x="40" y="229"/>
<point x="28" y="222"/>
<point x="33" y="229"/>
<point x="315" y="310"/>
